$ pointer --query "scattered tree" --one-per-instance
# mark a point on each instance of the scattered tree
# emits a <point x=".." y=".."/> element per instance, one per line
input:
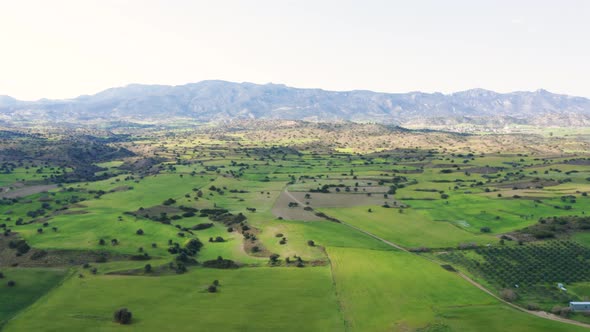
<point x="122" y="316"/>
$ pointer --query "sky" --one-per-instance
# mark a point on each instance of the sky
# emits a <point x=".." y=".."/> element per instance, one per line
<point x="62" y="49"/>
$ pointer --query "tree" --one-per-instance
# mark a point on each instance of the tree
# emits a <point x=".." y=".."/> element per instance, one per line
<point x="311" y="243"/>
<point x="169" y="201"/>
<point x="11" y="283"/>
<point x="148" y="268"/>
<point x="212" y="289"/>
<point x="139" y="232"/>
<point x="274" y="258"/>
<point x="122" y="316"/>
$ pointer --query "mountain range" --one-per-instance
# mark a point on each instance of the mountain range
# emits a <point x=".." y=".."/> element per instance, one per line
<point x="208" y="101"/>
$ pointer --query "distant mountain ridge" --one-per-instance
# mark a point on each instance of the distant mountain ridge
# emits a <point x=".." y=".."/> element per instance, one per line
<point x="220" y="101"/>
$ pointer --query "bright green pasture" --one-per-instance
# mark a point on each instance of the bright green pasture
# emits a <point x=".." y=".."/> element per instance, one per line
<point x="330" y="234"/>
<point x="232" y="248"/>
<point x="29" y="174"/>
<point x="55" y="199"/>
<point x="323" y="233"/>
<point x="250" y="299"/>
<point x="259" y="195"/>
<point x="31" y="284"/>
<point x="397" y="291"/>
<point x="472" y="212"/>
<point x="100" y="219"/>
<point x="410" y="228"/>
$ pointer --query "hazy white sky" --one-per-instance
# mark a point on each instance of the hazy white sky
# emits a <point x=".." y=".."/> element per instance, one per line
<point x="61" y="49"/>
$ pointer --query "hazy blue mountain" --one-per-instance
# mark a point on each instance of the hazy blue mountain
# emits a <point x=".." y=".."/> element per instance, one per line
<point x="220" y="100"/>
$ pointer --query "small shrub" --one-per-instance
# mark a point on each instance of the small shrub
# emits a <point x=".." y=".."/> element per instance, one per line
<point x="202" y="226"/>
<point x="274" y="258"/>
<point x="508" y="295"/>
<point x="485" y="229"/>
<point x="122" y="316"/>
<point x="533" y="306"/>
<point x="562" y="311"/>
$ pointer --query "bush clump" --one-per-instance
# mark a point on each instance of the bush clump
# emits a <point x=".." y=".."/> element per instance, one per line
<point x="508" y="295"/>
<point x="202" y="226"/>
<point x="220" y="263"/>
<point x="122" y="316"/>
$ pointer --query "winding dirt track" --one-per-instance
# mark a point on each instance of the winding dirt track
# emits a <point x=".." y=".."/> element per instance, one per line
<point x="541" y="314"/>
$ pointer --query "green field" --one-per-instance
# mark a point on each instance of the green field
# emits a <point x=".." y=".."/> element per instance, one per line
<point x="31" y="284"/>
<point x="410" y="228"/>
<point x="381" y="291"/>
<point x="247" y="301"/>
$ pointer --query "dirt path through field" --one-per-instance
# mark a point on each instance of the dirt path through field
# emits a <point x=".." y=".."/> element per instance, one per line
<point x="541" y="314"/>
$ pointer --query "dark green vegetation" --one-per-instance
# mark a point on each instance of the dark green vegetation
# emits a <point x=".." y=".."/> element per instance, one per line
<point x="527" y="265"/>
<point x="290" y="226"/>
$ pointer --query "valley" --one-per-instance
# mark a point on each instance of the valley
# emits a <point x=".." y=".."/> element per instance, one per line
<point x="261" y="225"/>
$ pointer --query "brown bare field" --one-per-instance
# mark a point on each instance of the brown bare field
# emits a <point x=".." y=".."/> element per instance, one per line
<point x="26" y="191"/>
<point x="282" y="209"/>
<point x="528" y="184"/>
<point x="322" y="200"/>
<point x="484" y="170"/>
